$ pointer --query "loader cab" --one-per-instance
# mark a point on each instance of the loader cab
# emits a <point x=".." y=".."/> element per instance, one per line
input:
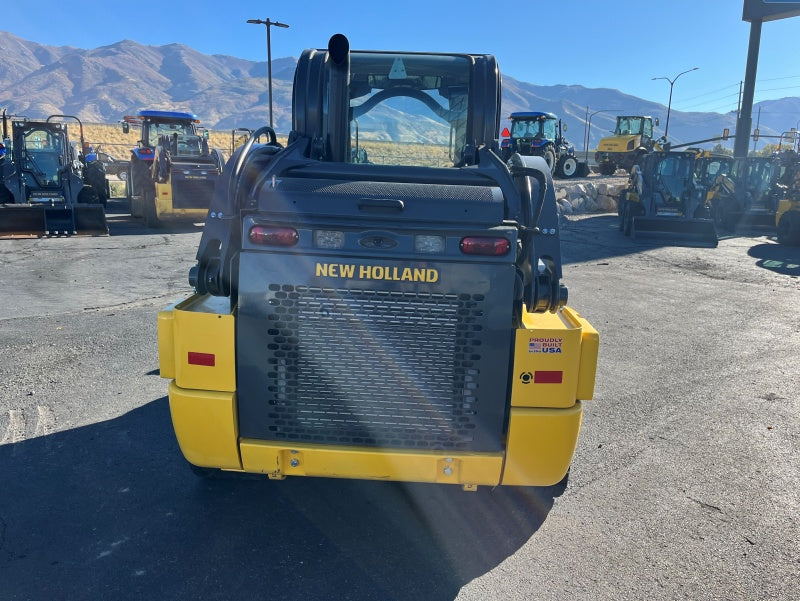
<point x="634" y="126"/>
<point x="409" y="109"/>
<point x="41" y="153"/>
<point x="674" y="177"/>
<point x="544" y="127"/>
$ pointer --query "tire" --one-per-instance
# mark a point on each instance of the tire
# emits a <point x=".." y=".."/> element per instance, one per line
<point x="549" y="157"/>
<point x="6" y="197"/>
<point x="568" y="166"/>
<point x="608" y="168"/>
<point x="622" y="202"/>
<point x="723" y="218"/>
<point x="96" y="178"/>
<point x="88" y="195"/>
<point x="789" y="229"/>
<point x="150" y="215"/>
<point x="627" y="220"/>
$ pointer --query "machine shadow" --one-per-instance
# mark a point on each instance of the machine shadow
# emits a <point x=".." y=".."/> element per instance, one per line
<point x="111" y="510"/>
<point x="778" y="258"/>
<point x="121" y="223"/>
<point x="597" y="237"/>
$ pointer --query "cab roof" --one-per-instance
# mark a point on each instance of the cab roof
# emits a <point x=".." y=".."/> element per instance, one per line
<point x="532" y="115"/>
<point x="171" y="115"/>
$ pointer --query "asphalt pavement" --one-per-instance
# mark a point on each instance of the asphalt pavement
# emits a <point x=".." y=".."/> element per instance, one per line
<point x="684" y="484"/>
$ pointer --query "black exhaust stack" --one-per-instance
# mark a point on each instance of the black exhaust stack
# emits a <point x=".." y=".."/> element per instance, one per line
<point x="338" y="116"/>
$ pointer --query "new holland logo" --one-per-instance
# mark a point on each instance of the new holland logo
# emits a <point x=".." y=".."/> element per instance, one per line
<point x="351" y="271"/>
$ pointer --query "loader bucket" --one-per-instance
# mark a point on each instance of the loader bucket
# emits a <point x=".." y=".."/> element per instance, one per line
<point x="90" y="220"/>
<point x="690" y="232"/>
<point x="21" y="221"/>
<point x="36" y="221"/>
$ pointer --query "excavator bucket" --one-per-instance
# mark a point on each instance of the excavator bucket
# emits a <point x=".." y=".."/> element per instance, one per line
<point x="692" y="232"/>
<point x="36" y="221"/>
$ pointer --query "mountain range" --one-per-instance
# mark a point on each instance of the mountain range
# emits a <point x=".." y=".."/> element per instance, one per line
<point x="103" y="84"/>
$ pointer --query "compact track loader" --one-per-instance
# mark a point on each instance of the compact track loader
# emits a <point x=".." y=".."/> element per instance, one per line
<point x="44" y="185"/>
<point x="392" y="322"/>
<point x="172" y="170"/>
<point x="747" y="196"/>
<point x="663" y="203"/>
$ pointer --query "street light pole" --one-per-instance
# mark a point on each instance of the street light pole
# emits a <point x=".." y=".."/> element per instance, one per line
<point x="268" y="23"/>
<point x="669" y="105"/>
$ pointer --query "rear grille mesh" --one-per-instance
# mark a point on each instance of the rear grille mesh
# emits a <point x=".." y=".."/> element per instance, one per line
<point x="192" y="193"/>
<point x="373" y="367"/>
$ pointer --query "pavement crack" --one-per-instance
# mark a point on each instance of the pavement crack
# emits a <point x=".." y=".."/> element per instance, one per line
<point x="705" y="505"/>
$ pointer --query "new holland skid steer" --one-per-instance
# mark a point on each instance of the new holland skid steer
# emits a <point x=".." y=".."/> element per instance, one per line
<point x="172" y="171"/>
<point x="662" y="201"/>
<point x="747" y="196"/>
<point x="392" y="322"/>
<point x="44" y="184"/>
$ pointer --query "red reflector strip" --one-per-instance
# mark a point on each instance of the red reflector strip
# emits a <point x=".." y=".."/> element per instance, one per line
<point x="206" y="359"/>
<point x="548" y="377"/>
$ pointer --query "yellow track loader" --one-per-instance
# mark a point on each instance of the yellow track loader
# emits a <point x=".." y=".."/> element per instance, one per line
<point x="389" y="322"/>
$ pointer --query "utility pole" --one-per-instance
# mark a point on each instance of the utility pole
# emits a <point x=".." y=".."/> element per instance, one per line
<point x="268" y="24"/>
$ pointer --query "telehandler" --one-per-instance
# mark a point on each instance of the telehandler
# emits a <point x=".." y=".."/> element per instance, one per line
<point x="389" y="322"/>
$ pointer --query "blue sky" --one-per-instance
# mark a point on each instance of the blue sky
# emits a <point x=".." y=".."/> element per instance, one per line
<point x="621" y="45"/>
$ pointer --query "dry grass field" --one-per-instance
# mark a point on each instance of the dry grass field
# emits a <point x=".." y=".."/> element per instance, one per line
<point x="110" y="139"/>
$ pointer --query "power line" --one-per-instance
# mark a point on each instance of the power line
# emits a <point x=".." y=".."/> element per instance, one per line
<point x="737" y="84"/>
<point x="712" y="92"/>
<point x="734" y="95"/>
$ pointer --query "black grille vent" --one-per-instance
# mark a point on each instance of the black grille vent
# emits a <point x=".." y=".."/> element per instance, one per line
<point x="373" y="367"/>
<point x="192" y="193"/>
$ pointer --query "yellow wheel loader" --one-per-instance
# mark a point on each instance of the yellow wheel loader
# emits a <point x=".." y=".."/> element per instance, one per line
<point x="391" y="322"/>
<point x="632" y="139"/>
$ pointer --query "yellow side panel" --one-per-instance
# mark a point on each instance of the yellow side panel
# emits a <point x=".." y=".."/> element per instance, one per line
<point x="166" y="210"/>
<point x="616" y="143"/>
<point x="590" y="347"/>
<point x="555" y="357"/>
<point x="201" y="328"/>
<point x="333" y="461"/>
<point x="541" y="443"/>
<point x="205" y="426"/>
<point x="785" y="205"/>
<point x="166" y="343"/>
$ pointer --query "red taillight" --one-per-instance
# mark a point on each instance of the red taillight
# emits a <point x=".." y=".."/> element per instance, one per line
<point x="479" y="245"/>
<point x="548" y="377"/>
<point x="205" y="359"/>
<point x="273" y="236"/>
<point x="146" y="151"/>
